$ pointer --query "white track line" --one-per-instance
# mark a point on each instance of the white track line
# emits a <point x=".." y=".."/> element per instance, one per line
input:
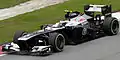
<point x="3" y="55"/>
<point x="27" y="7"/>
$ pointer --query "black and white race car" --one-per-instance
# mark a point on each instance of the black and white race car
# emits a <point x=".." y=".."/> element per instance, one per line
<point x="76" y="28"/>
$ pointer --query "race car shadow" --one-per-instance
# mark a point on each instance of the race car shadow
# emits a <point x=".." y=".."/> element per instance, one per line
<point x="19" y="54"/>
<point x="87" y="40"/>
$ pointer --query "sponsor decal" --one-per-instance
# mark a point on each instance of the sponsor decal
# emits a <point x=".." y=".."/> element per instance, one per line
<point x="84" y="32"/>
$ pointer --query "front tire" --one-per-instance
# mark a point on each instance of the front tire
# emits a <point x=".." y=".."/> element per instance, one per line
<point x="17" y="35"/>
<point x="57" y="40"/>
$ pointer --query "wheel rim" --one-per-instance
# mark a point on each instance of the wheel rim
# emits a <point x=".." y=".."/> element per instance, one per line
<point x="115" y="27"/>
<point x="60" y="42"/>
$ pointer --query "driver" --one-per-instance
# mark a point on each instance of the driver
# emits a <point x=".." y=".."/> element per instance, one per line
<point x="71" y="14"/>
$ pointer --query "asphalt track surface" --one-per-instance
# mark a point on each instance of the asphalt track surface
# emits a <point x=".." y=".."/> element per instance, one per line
<point x="105" y="48"/>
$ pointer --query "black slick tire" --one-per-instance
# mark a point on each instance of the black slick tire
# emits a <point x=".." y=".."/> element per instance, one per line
<point x="111" y="26"/>
<point x="57" y="41"/>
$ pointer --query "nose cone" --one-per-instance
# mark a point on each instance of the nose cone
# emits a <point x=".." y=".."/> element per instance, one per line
<point x="1" y="52"/>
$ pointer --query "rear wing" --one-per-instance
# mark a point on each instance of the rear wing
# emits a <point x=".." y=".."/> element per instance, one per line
<point x="104" y="9"/>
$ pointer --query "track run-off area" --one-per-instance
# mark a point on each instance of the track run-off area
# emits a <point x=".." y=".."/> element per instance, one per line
<point x="26" y="7"/>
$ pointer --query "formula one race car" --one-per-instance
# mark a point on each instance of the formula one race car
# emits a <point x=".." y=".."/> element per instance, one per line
<point x="77" y="28"/>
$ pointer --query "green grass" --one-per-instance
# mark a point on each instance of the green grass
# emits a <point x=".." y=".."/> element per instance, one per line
<point x="10" y="3"/>
<point x="31" y="21"/>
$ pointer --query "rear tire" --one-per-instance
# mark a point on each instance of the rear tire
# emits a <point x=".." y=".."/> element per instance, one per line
<point x="111" y="26"/>
<point x="57" y="40"/>
<point x="17" y="35"/>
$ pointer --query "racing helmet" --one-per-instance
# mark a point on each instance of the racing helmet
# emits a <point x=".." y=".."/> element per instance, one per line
<point x="74" y="14"/>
